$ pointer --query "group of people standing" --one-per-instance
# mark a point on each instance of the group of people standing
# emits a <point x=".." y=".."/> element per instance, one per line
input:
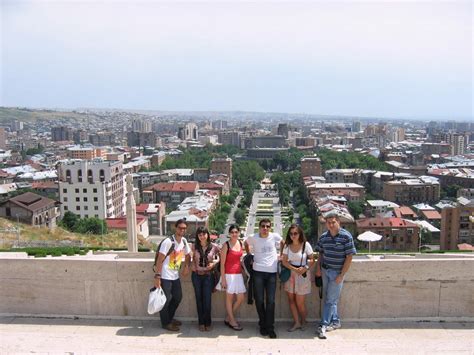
<point x="335" y="247"/>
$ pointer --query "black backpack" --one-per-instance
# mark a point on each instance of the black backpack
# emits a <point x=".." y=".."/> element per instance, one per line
<point x="169" y="251"/>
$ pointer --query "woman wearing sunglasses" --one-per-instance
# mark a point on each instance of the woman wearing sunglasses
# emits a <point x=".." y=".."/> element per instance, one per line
<point x="298" y="257"/>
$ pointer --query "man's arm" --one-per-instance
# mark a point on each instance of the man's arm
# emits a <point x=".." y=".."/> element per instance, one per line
<point x="247" y="247"/>
<point x="345" y="268"/>
<point x="158" y="267"/>
<point x="318" y="264"/>
<point x="187" y="263"/>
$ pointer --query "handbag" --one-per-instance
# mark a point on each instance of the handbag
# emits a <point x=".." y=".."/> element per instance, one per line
<point x="284" y="273"/>
<point x="156" y="300"/>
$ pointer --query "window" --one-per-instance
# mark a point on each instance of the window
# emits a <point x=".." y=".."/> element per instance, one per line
<point x="96" y="216"/>
<point x="86" y="208"/>
<point x="65" y="208"/>
<point x="77" y="191"/>
<point x="85" y="199"/>
<point x="65" y="199"/>
<point x="96" y="199"/>
<point x="78" y="199"/>
<point x="94" y="190"/>
<point x="96" y="208"/>
<point x="65" y="191"/>
<point x="84" y="191"/>
<point x="79" y="175"/>
<point x="68" y="175"/>
<point x="78" y="208"/>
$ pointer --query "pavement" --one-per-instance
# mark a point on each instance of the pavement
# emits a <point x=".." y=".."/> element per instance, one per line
<point x="86" y="336"/>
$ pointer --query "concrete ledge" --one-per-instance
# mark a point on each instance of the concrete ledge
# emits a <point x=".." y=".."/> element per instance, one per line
<point x="417" y="289"/>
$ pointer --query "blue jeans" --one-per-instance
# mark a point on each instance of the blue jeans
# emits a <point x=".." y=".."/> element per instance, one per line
<point x="331" y="294"/>
<point x="203" y="292"/>
<point x="174" y="294"/>
<point x="265" y="288"/>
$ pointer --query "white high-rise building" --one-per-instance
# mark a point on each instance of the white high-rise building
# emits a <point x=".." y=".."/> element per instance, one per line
<point x="92" y="188"/>
<point x="141" y="125"/>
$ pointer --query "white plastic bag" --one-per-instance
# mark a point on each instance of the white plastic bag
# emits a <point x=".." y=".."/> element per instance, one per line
<point x="156" y="300"/>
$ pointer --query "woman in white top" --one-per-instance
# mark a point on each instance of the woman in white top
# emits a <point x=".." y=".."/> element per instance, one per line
<point x="298" y="257"/>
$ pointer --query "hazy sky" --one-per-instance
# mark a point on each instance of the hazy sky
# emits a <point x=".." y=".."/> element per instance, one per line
<point x="391" y="59"/>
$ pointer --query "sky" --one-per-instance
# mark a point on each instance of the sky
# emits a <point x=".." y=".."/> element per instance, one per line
<point x="401" y="59"/>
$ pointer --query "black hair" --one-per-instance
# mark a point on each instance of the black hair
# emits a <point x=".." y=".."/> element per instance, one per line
<point x="233" y="226"/>
<point x="181" y="221"/>
<point x="203" y="259"/>
<point x="302" y="238"/>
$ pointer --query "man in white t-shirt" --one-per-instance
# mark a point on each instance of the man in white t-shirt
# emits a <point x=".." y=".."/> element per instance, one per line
<point x="264" y="246"/>
<point x="170" y="257"/>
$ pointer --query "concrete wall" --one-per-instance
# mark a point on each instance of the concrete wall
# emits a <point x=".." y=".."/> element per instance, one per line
<point x="417" y="289"/>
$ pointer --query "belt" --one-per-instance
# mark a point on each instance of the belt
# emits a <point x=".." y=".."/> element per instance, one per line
<point x="324" y="266"/>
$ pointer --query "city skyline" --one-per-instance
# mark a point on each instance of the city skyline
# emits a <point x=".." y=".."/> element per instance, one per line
<point x="387" y="60"/>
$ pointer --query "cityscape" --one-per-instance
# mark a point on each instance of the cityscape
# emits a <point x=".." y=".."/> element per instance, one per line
<point x="411" y="182"/>
<point x="228" y="177"/>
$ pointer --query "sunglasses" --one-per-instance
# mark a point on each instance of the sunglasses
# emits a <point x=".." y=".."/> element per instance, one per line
<point x="265" y="226"/>
<point x="294" y="233"/>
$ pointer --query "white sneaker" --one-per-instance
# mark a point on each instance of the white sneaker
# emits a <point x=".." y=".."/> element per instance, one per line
<point x="333" y="326"/>
<point x="321" y="332"/>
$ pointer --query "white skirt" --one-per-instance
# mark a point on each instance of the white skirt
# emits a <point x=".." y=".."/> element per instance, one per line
<point x="235" y="283"/>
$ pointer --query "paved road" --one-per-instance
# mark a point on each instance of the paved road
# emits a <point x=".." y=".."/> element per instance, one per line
<point x="81" y="336"/>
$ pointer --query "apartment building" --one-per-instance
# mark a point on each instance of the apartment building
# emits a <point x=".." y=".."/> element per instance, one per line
<point x="92" y="188"/>
<point x="311" y="166"/>
<point x="172" y="193"/>
<point x="155" y="212"/>
<point x="342" y="175"/>
<point x="352" y="192"/>
<point x="85" y="153"/>
<point x="397" y="233"/>
<point x="410" y="191"/>
<point x="457" y="224"/>
<point x="222" y="166"/>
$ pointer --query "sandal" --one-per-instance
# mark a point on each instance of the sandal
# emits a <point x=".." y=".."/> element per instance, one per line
<point x="236" y="327"/>
<point x="294" y="328"/>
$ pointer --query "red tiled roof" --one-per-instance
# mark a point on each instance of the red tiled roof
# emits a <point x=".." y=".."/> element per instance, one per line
<point x="379" y="222"/>
<point x="431" y="214"/>
<point x="404" y="211"/>
<point x="177" y="186"/>
<point x="121" y="223"/>
<point x="45" y="185"/>
<point x="141" y="208"/>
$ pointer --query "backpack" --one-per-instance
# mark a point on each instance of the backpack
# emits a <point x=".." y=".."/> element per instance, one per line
<point x="169" y="251"/>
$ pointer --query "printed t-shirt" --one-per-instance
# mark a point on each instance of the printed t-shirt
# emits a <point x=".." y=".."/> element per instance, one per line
<point x="172" y="263"/>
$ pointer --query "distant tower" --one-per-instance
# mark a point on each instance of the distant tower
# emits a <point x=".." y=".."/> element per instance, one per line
<point x="311" y="166"/>
<point x="222" y="166"/>
<point x="356" y="126"/>
<point x="188" y="132"/>
<point x="3" y="138"/>
<point x="283" y="130"/>
<point x="131" y="217"/>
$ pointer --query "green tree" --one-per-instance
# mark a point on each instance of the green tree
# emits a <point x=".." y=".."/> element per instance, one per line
<point x="355" y="208"/>
<point x="91" y="225"/>
<point x="239" y="216"/>
<point x="69" y="221"/>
